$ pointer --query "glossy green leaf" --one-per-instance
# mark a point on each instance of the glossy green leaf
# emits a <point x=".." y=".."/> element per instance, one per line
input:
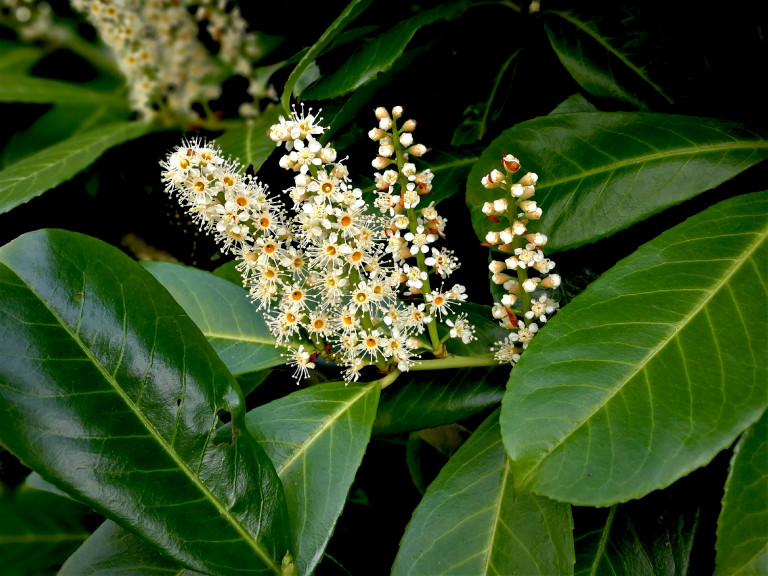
<point x="742" y="529"/>
<point x="377" y="55"/>
<point x="651" y="371"/>
<point x="111" y="393"/>
<point x="33" y="175"/>
<point x="316" y="438"/>
<point x="229" y="272"/>
<point x="57" y="124"/>
<point x="602" y="172"/>
<point x="113" y="551"/>
<point x="38" y="532"/>
<point x="249" y="143"/>
<point x="16" y="87"/>
<point x="574" y="104"/>
<point x="36" y="482"/>
<point x="652" y="536"/>
<point x="352" y="11"/>
<point x="232" y="323"/>
<point x="427" y="399"/>
<point x="470" y="522"/>
<point x="600" y="66"/>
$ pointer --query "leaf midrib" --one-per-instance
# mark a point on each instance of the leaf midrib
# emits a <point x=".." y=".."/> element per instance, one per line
<point x="311" y="440"/>
<point x="497" y="513"/>
<point x="736" y="145"/>
<point x="739" y="262"/>
<point x="245" y="535"/>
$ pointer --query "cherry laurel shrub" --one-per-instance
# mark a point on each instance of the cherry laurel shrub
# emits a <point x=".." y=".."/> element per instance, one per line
<point x="316" y="340"/>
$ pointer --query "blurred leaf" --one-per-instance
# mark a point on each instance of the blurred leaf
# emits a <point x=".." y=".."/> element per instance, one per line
<point x="17" y="58"/>
<point x="38" y="532"/>
<point x="233" y="325"/>
<point x="648" y="537"/>
<point x="420" y="400"/>
<point x="652" y="370"/>
<point x="602" y="172"/>
<point x="125" y="416"/>
<point x="252" y="380"/>
<point x="599" y="66"/>
<point x="378" y="54"/>
<point x="112" y="551"/>
<point x="229" y="272"/>
<point x="574" y="104"/>
<point x="316" y="438"/>
<point x="57" y="124"/>
<point x="35" y="482"/>
<point x="249" y="143"/>
<point x="15" y="87"/>
<point x="33" y="175"/>
<point x="352" y="11"/>
<point x="470" y="521"/>
<point x="742" y="529"/>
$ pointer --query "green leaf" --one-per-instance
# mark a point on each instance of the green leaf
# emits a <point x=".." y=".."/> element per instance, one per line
<point x="229" y="272"/>
<point x="648" y="537"/>
<point x="33" y="175"/>
<point x="600" y="67"/>
<point x="16" y="58"/>
<point x="15" y="87"/>
<point x="249" y="143"/>
<point x="352" y="11"/>
<point x="39" y="530"/>
<point x="602" y="172"/>
<point x="574" y="104"/>
<point x="111" y="393"/>
<point x="112" y="551"/>
<point x="233" y="325"/>
<point x="57" y="124"/>
<point x="651" y="371"/>
<point x="378" y="54"/>
<point x="450" y="168"/>
<point x="420" y="400"/>
<point x="470" y="522"/>
<point x="316" y="438"/>
<point x="742" y="529"/>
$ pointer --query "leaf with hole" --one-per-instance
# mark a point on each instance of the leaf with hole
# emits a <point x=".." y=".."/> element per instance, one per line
<point x="110" y="392"/>
<point x="226" y="316"/>
<point x="602" y="172"/>
<point x="471" y="522"/>
<point x="653" y="370"/>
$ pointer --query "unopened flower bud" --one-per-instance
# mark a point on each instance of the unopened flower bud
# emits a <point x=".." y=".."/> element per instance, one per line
<point x="381" y="112"/>
<point x="409" y="169"/>
<point x="511" y="163"/>
<point x="340" y="171"/>
<point x="385" y="123"/>
<point x="405" y="252"/>
<point x="302" y="180"/>
<point x="397" y="112"/>
<point x="537" y="238"/>
<point x="498" y="311"/>
<point x="528" y="192"/>
<point x="500" y="278"/>
<point x="402" y="221"/>
<point x="500" y="205"/>
<point x="493" y="180"/>
<point x="529" y="179"/>
<point x="506" y="236"/>
<point x="417" y="150"/>
<point x="380" y="162"/>
<point x="493" y="238"/>
<point x="376" y="134"/>
<point x="409" y="126"/>
<point x="528" y="206"/>
<point x="286" y="163"/>
<point x="513" y="286"/>
<point x="511" y="262"/>
<point x="406" y="139"/>
<point x="488" y="209"/>
<point x="517" y="191"/>
<point x="386" y="150"/>
<point x="328" y="155"/>
<point x="551" y="281"/>
<point x="508" y="300"/>
<point x="518" y="228"/>
<point x="496" y="266"/>
<point x="507" y="248"/>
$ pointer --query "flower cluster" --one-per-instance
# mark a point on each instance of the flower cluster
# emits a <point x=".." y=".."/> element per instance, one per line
<point x="411" y="231"/>
<point x="322" y="271"/>
<point x="526" y="274"/>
